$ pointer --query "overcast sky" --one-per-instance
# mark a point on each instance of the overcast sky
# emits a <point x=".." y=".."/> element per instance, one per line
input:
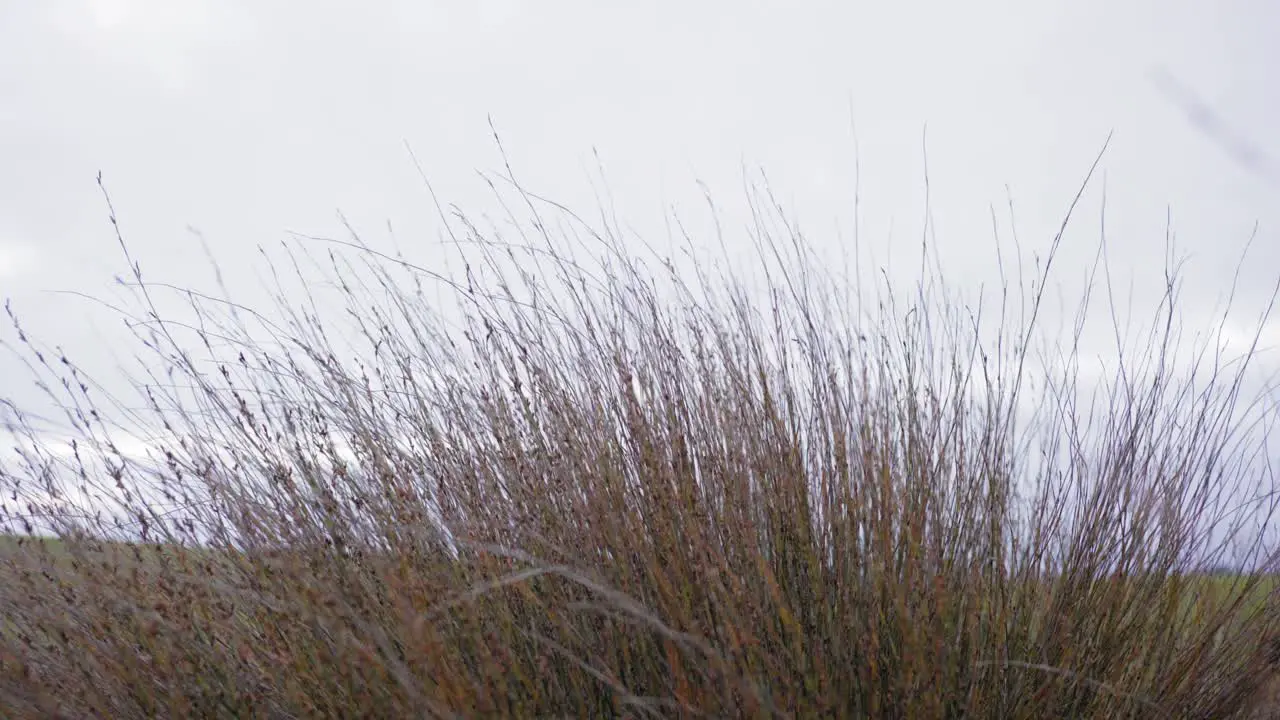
<point x="245" y="119"/>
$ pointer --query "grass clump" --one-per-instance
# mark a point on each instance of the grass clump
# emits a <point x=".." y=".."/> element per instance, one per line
<point x="582" y="486"/>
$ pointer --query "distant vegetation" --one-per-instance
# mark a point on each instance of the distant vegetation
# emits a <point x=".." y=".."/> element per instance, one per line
<point x="606" y="486"/>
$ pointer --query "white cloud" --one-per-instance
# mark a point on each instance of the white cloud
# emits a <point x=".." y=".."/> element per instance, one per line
<point x="149" y="16"/>
<point x="16" y="259"/>
<point x="167" y="37"/>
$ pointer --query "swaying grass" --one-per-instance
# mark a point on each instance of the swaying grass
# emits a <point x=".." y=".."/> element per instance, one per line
<point x="585" y="487"/>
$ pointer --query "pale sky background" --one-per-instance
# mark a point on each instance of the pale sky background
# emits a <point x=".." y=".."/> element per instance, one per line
<point x="245" y="119"/>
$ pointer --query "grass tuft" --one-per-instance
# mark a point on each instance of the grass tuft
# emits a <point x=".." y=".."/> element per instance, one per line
<point x="569" y="483"/>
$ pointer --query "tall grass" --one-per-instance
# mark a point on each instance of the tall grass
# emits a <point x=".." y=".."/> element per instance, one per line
<point x="613" y="485"/>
